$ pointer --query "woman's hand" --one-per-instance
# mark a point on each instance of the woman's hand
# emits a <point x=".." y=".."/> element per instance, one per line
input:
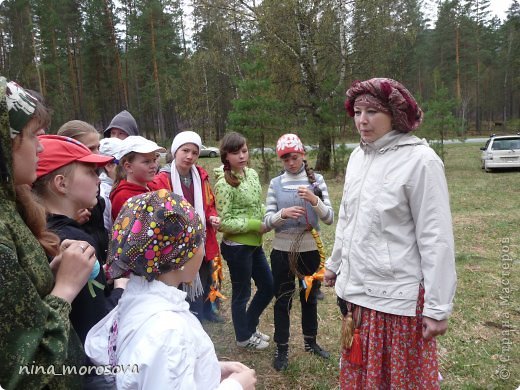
<point x="75" y="260"/>
<point x="215" y="222"/>
<point x="293" y="212"/>
<point x="306" y="194"/>
<point x="329" y="278"/>
<point x="433" y="328"/>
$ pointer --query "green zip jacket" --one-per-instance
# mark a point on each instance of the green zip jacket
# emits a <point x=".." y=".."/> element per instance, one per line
<point x="240" y="208"/>
<point x="36" y="338"/>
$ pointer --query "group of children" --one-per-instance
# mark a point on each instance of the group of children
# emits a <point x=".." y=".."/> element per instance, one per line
<point x="150" y="234"/>
<point x="297" y="200"/>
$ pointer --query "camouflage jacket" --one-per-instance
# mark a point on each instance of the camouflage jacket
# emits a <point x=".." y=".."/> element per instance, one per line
<point x="36" y="338"/>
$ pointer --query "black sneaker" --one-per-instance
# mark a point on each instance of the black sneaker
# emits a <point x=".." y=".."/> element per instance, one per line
<point x="281" y="357"/>
<point x="312" y="347"/>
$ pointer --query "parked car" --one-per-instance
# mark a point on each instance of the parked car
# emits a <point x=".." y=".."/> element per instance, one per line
<point x="267" y="150"/>
<point x="501" y="152"/>
<point x="209" y="151"/>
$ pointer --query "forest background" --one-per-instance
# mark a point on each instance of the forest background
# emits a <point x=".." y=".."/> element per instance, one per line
<point x="263" y="67"/>
<point x="273" y="66"/>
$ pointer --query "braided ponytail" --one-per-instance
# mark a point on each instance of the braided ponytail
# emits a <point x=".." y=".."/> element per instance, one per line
<point x="312" y="179"/>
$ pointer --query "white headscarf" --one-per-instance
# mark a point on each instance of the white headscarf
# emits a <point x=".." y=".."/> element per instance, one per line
<point x="188" y="137"/>
<point x="194" y="289"/>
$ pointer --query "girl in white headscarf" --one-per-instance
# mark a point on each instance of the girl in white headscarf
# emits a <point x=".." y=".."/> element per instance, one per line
<point x="191" y="181"/>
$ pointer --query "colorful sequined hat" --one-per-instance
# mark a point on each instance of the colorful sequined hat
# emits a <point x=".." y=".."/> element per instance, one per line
<point x="154" y="233"/>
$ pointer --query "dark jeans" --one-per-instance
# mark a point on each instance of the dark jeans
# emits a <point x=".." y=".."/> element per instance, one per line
<point x="284" y="286"/>
<point x="246" y="262"/>
<point x="201" y="306"/>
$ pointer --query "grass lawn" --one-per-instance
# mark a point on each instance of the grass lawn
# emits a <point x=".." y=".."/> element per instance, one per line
<point x="481" y="349"/>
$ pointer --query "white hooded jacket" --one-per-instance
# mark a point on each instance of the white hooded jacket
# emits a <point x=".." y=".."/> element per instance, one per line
<point x="158" y="333"/>
<point x="394" y="229"/>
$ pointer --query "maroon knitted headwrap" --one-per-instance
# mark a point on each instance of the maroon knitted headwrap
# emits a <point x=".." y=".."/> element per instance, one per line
<point x="393" y="97"/>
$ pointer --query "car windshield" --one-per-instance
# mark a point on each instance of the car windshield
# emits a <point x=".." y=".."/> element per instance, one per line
<point x="506" y="144"/>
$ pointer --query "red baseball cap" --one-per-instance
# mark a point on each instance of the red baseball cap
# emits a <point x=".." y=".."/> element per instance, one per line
<point x="59" y="151"/>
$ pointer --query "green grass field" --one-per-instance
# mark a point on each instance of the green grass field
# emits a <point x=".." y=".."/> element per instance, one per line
<point x="481" y="349"/>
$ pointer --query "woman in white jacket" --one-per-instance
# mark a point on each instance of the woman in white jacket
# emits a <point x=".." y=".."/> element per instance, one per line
<point x="151" y="340"/>
<point x="393" y="258"/>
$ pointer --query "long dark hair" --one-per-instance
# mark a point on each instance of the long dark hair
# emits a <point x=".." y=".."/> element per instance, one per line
<point x="230" y="143"/>
<point x="312" y="179"/>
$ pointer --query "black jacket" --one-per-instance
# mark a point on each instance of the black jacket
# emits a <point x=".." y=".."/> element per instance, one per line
<point x="91" y="304"/>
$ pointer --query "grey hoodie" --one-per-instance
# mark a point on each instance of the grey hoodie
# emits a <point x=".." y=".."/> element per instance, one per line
<point x="124" y="121"/>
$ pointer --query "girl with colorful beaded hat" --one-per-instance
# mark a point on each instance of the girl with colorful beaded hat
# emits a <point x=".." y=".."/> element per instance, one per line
<point x="296" y="201"/>
<point x="36" y="337"/>
<point x="184" y="177"/>
<point x="158" y="240"/>
<point x="136" y="168"/>
<point x="393" y="261"/>
<point x="238" y="198"/>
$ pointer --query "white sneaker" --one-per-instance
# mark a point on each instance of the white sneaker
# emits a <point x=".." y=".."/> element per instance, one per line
<point x="261" y="335"/>
<point x="254" y="342"/>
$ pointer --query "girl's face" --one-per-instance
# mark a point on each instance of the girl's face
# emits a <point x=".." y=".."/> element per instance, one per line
<point x="371" y="124"/>
<point x="25" y="153"/>
<point x="82" y="186"/>
<point x="238" y="160"/>
<point x="293" y="162"/>
<point x="91" y="141"/>
<point x="142" y="169"/>
<point x="186" y="156"/>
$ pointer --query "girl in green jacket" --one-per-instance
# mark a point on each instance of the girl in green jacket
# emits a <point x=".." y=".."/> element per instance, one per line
<point x="238" y="200"/>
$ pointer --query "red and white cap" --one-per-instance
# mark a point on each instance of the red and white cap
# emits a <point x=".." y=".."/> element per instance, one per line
<point x="289" y="143"/>
<point x="59" y="151"/>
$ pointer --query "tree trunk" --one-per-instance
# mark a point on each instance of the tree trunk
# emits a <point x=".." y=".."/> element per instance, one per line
<point x="122" y="93"/>
<point x="323" y="158"/>
<point x="160" y="117"/>
<point x="457" y="60"/>
<point x="72" y="75"/>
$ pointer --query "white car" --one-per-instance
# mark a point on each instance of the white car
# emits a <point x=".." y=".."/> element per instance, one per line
<point x="256" y="151"/>
<point x="209" y="151"/>
<point x="501" y="152"/>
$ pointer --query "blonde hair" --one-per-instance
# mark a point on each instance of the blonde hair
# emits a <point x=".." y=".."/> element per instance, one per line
<point x="120" y="170"/>
<point x="41" y="187"/>
<point x="76" y="129"/>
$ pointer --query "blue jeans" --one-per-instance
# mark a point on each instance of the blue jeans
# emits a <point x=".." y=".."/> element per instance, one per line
<point x="246" y="262"/>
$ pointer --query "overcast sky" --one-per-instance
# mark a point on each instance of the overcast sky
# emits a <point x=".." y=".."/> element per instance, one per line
<point x="499" y="7"/>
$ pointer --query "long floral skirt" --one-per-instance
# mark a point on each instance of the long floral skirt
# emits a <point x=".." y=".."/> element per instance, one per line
<point x="395" y="355"/>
